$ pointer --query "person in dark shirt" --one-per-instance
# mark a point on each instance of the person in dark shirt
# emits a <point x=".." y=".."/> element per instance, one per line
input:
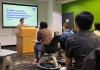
<point x="82" y="42"/>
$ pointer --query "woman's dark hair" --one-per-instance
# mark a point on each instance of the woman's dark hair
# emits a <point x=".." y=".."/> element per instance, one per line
<point x="43" y="25"/>
<point x="84" y="20"/>
<point x="21" y="19"/>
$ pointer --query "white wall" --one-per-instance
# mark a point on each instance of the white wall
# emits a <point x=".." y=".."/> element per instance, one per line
<point x="55" y="16"/>
<point x="47" y="11"/>
<point x="42" y="11"/>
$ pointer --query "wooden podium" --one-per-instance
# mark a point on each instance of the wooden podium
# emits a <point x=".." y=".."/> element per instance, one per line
<point x="26" y="38"/>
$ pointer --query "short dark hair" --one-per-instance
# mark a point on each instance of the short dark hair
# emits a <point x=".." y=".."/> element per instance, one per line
<point x="84" y="20"/>
<point x="97" y="26"/>
<point x="21" y="19"/>
<point x="43" y="25"/>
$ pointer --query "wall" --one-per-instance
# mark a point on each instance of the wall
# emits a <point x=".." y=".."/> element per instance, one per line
<point x="42" y="11"/>
<point x="83" y="5"/>
<point x="55" y="15"/>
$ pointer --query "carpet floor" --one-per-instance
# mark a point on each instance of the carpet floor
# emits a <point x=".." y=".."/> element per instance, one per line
<point x="21" y="62"/>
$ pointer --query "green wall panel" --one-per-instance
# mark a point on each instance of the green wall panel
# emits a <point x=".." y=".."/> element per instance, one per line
<point x="83" y="5"/>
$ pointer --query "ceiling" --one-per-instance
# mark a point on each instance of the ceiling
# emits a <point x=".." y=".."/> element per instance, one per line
<point x="65" y="1"/>
<point x="62" y="1"/>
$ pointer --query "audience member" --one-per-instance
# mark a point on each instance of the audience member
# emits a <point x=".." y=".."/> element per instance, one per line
<point x="82" y="42"/>
<point x="44" y="36"/>
<point x="67" y="33"/>
<point x="97" y="29"/>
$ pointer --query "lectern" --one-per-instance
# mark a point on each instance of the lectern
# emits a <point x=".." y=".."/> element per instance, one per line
<point x="26" y="37"/>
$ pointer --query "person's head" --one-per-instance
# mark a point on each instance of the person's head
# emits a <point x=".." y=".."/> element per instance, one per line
<point x="97" y="26"/>
<point x="43" y="25"/>
<point x="84" y="20"/>
<point x="22" y="20"/>
<point x="65" y="25"/>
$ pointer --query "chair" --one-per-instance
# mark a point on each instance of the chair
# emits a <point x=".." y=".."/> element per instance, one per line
<point x="45" y="63"/>
<point x="53" y="46"/>
<point x="97" y="56"/>
<point x="49" y="49"/>
<point x="92" y="61"/>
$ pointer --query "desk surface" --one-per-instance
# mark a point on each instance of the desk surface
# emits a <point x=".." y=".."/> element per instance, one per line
<point x="5" y="52"/>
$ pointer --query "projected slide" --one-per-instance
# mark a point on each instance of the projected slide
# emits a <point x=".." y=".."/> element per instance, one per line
<point x="13" y="12"/>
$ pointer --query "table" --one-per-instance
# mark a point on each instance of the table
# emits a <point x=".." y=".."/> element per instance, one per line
<point x="4" y="53"/>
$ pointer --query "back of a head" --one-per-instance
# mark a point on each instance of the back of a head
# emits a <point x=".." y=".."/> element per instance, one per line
<point x="97" y="26"/>
<point x="66" y="25"/>
<point x="43" y="25"/>
<point x="84" y="20"/>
